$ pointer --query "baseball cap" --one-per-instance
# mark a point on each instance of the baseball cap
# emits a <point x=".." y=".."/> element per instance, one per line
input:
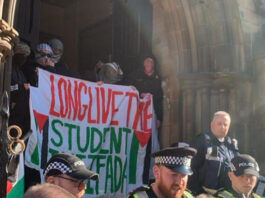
<point x="65" y="163"/>
<point x="177" y="159"/>
<point x="244" y="164"/>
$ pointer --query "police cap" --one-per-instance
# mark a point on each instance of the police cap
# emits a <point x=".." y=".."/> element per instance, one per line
<point x="176" y="158"/>
<point x="244" y="164"/>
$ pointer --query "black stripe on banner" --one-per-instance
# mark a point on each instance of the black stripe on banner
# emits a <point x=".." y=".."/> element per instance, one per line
<point x="44" y="147"/>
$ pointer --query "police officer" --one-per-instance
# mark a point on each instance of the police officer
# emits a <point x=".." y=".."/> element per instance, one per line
<point x="215" y="151"/>
<point x="69" y="172"/>
<point x="243" y="174"/>
<point x="171" y="171"/>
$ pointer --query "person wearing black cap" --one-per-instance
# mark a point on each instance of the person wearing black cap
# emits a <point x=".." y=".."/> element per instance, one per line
<point x="244" y="174"/>
<point x="171" y="171"/>
<point x="215" y="151"/>
<point x="68" y="172"/>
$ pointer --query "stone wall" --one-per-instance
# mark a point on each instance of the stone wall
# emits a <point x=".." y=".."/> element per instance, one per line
<point x="206" y="50"/>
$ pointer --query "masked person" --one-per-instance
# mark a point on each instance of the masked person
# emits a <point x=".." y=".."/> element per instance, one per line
<point x="58" y="49"/>
<point x="19" y="90"/>
<point x="68" y="172"/>
<point x="110" y="73"/>
<point x="42" y="60"/>
<point x="171" y="171"/>
<point x="244" y="173"/>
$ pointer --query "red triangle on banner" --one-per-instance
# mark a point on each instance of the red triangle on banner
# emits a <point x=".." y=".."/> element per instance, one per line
<point x="9" y="186"/>
<point x="143" y="137"/>
<point x="41" y="119"/>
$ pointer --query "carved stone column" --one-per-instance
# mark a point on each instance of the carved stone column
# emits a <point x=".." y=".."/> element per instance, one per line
<point x="8" y="37"/>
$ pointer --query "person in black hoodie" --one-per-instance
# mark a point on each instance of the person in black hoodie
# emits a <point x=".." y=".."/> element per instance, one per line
<point x="19" y="89"/>
<point x="147" y="81"/>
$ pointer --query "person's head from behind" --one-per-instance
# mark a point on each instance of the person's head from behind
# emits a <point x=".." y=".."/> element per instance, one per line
<point x="21" y="52"/>
<point x="110" y="73"/>
<point x="220" y="124"/>
<point x="244" y="172"/>
<point x="47" y="191"/>
<point x="57" y="48"/>
<point x="171" y="170"/>
<point x="68" y="172"/>
<point x="43" y="54"/>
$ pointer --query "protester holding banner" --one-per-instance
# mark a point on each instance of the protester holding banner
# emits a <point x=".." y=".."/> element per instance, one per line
<point x="58" y="49"/>
<point x="171" y="171"/>
<point x="107" y="126"/>
<point x="42" y="60"/>
<point x="110" y="73"/>
<point x="147" y="81"/>
<point x="68" y="172"/>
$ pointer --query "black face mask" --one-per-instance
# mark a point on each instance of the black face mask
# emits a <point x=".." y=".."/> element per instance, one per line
<point x="19" y="59"/>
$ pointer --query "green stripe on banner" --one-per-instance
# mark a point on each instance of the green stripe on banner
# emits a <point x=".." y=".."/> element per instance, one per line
<point x="133" y="160"/>
<point x="18" y="190"/>
<point x="35" y="156"/>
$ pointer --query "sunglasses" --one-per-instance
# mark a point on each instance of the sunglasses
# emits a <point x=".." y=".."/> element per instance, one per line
<point x="45" y="55"/>
<point x="78" y="183"/>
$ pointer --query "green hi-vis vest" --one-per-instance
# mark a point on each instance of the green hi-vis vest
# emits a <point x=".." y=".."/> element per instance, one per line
<point x="227" y="194"/>
<point x="143" y="194"/>
<point x="187" y="194"/>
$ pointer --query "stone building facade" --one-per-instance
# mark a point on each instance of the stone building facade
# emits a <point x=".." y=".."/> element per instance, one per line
<point x="211" y="56"/>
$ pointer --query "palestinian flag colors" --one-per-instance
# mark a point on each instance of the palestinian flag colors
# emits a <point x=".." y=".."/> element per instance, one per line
<point x="15" y="189"/>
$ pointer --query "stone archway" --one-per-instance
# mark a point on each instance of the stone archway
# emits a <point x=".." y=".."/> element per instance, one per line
<point x="207" y="52"/>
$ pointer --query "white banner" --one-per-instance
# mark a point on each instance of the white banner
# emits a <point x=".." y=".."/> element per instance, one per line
<point x="107" y="126"/>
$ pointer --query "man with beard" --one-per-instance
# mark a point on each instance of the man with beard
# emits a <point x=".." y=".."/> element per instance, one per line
<point x="171" y="171"/>
<point x="244" y="173"/>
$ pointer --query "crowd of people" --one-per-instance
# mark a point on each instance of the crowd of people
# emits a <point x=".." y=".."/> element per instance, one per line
<point x="210" y="167"/>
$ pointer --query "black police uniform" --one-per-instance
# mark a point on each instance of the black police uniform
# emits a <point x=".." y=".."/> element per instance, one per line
<point x="211" y="164"/>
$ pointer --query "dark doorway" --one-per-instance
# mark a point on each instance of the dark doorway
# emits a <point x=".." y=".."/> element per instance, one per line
<point x="132" y="32"/>
<point x="124" y="37"/>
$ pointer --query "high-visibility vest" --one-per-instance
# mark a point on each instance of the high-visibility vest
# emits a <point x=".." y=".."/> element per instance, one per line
<point x="227" y="194"/>
<point x="143" y="194"/>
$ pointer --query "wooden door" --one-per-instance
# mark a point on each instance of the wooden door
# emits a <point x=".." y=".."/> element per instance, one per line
<point x="132" y="32"/>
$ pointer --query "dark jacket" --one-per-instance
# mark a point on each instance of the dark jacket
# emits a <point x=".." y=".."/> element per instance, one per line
<point x="149" y="84"/>
<point x="19" y="100"/>
<point x="29" y="71"/>
<point x="211" y="164"/>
